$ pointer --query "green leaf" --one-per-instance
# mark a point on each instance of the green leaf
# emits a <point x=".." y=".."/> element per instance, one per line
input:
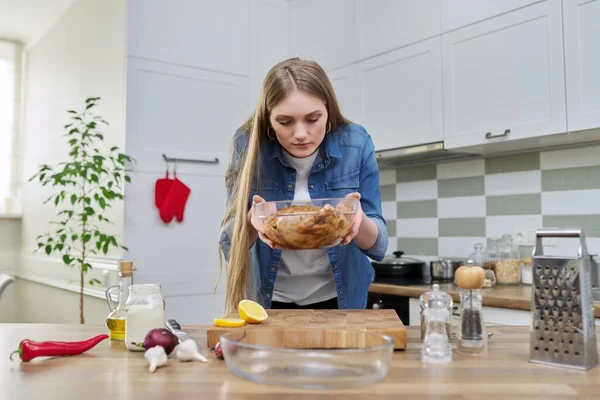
<point x="86" y="237"/>
<point x="100" y="136"/>
<point x="56" y="200"/>
<point x="63" y="237"/>
<point x="73" y="199"/>
<point x="105" y="248"/>
<point x="114" y="148"/>
<point x="74" y="237"/>
<point x="94" y="178"/>
<point x="48" y="249"/>
<point x="93" y="281"/>
<point x="87" y="200"/>
<point x="110" y="184"/>
<point x="127" y="179"/>
<point x="72" y="141"/>
<point x="72" y="112"/>
<point x="90" y="106"/>
<point x="67" y="259"/>
<point x="59" y="246"/>
<point x="125" y="248"/>
<point x="102" y="203"/>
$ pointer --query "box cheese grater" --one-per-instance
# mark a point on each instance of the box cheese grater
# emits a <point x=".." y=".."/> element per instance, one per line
<point x="562" y="330"/>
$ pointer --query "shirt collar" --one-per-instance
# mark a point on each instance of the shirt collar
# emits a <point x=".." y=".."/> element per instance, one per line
<point x="329" y="148"/>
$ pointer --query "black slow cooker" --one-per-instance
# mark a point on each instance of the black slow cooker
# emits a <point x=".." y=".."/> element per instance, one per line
<point x="395" y="268"/>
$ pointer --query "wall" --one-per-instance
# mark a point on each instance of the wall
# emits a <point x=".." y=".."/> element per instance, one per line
<point x="10" y="238"/>
<point x="10" y="223"/>
<point x="445" y="209"/>
<point x="81" y="56"/>
<point x="10" y="100"/>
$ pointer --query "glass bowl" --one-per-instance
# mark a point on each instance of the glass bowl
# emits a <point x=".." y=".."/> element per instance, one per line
<point x="307" y="224"/>
<point x="279" y="357"/>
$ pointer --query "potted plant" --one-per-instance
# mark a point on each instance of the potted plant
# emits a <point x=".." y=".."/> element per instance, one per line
<point x="84" y="186"/>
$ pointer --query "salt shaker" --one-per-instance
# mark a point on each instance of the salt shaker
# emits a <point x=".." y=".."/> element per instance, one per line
<point x="436" y="306"/>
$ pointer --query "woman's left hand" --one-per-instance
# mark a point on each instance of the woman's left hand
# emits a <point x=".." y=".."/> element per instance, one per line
<point x="358" y="218"/>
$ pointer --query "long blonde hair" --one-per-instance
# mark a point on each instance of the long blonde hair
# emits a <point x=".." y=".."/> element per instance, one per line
<point x="285" y="77"/>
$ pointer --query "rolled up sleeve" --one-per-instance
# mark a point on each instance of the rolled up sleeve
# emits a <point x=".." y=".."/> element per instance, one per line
<point x="371" y="200"/>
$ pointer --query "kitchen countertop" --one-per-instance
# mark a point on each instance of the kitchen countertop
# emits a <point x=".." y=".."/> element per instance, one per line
<point x="515" y="297"/>
<point x="109" y="371"/>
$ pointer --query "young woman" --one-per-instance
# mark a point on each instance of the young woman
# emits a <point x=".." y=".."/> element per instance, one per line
<point x="298" y="145"/>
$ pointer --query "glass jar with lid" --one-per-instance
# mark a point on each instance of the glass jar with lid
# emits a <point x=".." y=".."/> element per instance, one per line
<point x="144" y="311"/>
<point x="477" y="256"/>
<point x="508" y="266"/>
<point x="491" y="253"/>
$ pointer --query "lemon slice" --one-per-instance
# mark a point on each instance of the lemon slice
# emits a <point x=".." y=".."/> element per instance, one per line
<point x="252" y="312"/>
<point x="229" y="322"/>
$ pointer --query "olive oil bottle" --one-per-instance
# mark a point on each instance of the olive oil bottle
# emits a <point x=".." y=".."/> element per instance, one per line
<point x="115" y="322"/>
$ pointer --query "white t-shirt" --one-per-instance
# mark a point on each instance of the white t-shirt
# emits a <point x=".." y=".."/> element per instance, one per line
<point x="304" y="276"/>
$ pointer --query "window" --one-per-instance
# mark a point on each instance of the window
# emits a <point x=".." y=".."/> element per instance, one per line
<point x="9" y="95"/>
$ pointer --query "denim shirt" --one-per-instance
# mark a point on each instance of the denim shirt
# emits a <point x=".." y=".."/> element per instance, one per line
<point x="346" y="163"/>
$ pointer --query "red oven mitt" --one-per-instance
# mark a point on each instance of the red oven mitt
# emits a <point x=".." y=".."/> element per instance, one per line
<point x="175" y="201"/>
<point x="161" y="189"/>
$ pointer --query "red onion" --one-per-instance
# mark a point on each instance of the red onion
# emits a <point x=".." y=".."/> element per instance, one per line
<point x="160" y="337"/>
<point x="219" y="351"/>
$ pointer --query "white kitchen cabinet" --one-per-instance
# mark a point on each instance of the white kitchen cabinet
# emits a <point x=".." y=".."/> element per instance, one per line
<point x="204" y="34"/>
<point x="401" y="95"/>
<point x="384" y="25"/>
<point x="184" y="113"/>
<point x="346" y="89"/>
<point x="268" y="49"/>
<point x="504" y="78"/>
<point x="505" y="316"/>
<point x="458" y="13"/>
<point x="322" y="31"/>
<point x="492" y="316"/>
<point x="582" y="62"/>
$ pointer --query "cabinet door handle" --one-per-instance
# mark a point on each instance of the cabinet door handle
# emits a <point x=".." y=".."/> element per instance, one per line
<point x="490" y="136"/>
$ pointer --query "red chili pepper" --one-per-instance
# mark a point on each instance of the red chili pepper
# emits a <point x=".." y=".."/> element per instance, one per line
<point x="28" y="349"/>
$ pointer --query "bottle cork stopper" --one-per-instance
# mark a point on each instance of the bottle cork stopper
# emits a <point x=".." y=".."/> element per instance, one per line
<point x="126" y="268"/>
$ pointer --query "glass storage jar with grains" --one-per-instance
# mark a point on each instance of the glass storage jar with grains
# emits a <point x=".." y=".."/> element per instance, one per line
<point x="508" y="266"/>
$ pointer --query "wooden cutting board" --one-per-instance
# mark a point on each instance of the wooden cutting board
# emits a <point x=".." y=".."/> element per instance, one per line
<point x="300" y="328"/>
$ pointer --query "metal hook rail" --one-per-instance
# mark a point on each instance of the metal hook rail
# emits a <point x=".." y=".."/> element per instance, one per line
<point x="189" y="160"/>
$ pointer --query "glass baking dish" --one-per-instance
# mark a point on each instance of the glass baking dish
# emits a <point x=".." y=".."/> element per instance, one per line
<point x="310" y="361"/>
<point x="307" y="224"/>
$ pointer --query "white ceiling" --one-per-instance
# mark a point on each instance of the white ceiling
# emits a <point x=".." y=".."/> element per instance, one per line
<point x="26" y="20"/>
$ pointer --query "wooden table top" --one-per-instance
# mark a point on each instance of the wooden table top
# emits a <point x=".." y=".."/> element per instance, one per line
<point x="514" y="297"/>
<point x="109" y="371"/>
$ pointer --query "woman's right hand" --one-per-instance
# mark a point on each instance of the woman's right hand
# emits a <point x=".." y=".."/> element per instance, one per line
<point x="257" y="223"/>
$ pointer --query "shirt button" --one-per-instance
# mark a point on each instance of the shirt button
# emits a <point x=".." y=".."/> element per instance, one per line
<point x="341" y="292"/>
<point x="312" y="186"/>
<point x="272" y="268"/>
<point x="321" y="165"/>
<point x="268" y="294"/>
<point x="334" y="266"/>
<point x="289" y="186"/>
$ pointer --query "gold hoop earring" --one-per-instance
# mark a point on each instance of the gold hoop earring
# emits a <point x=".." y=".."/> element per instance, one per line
<point x="328" y="127"/>
<point x="269" y="131"/>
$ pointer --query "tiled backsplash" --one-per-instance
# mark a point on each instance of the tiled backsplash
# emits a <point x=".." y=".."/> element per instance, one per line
<point x="445" y="209"/>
